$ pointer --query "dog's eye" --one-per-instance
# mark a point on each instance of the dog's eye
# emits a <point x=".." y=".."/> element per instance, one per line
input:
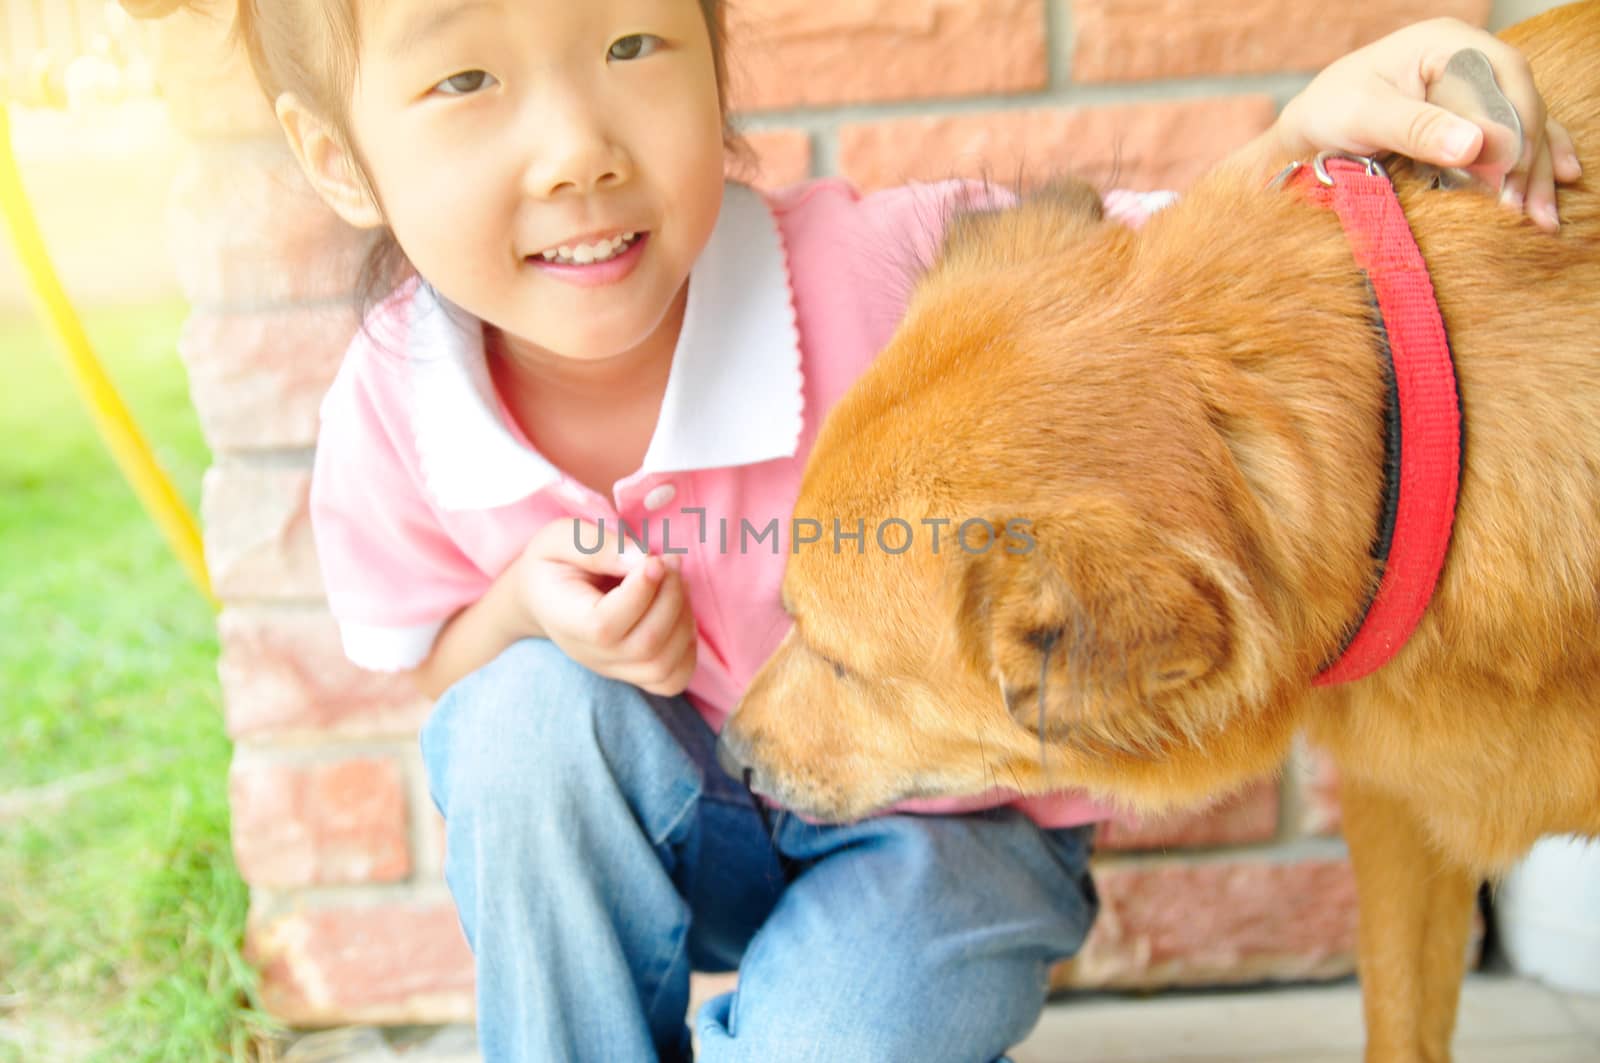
<point x="1043" y="639"/>
<point x="839" y="670"/>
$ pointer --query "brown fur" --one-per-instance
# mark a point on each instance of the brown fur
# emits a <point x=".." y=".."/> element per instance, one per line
<point x="1191" y="418"/>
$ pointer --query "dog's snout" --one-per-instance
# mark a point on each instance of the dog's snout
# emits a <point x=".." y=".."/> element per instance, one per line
<point x="732" y="755"/>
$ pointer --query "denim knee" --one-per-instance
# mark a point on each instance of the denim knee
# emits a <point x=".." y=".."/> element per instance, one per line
<point x="511" y="731"/>
<point x="535" y="735"/>
<point x="555" y="785"/>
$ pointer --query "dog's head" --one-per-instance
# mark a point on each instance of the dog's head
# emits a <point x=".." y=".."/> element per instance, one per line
<point x="1055" y="586"/>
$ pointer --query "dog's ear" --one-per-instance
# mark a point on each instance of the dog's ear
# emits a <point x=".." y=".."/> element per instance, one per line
<point x="1093" y="625"/>
<point x="1047" y="221"/>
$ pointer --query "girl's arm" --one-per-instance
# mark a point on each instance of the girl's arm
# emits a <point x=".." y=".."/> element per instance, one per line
<point x="477" y="634"/>
<point x="617" y="611"/>
<point x="393" y="573"/>
<point x="1374" y="100"/>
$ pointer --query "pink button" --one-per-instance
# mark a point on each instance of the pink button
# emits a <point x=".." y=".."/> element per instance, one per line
<point x="659" y="496"/>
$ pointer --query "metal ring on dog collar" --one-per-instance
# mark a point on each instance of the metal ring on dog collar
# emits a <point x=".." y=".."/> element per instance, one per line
<point x="1285" y="173"/>
<point x="1319" y="165"/>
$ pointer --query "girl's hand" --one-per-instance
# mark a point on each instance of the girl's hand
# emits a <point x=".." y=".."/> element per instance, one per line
<point x="620" y="613"/>
<point x="1374" y="100"/>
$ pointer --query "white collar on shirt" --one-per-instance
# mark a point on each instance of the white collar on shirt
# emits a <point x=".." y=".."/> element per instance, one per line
<point x="734" y="394"/>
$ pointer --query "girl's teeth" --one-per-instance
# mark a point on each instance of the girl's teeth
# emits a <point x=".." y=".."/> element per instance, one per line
<point x="588" y="254"/>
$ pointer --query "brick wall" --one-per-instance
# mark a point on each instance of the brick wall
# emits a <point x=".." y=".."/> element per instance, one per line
<point x="332" y="825"/>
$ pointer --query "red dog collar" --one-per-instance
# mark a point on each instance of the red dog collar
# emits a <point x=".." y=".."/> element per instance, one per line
<point x="1429" y="444"/>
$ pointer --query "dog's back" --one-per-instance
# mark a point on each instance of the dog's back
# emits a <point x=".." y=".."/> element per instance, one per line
<point x="1500" y="690"/>
<point x="1563" y="47"/>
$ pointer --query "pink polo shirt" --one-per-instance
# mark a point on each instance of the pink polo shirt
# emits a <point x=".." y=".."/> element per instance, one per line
<point x="425" y="488"/>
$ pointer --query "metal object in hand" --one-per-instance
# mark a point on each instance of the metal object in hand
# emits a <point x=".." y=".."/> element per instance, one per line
<point x="1468" y="88"/>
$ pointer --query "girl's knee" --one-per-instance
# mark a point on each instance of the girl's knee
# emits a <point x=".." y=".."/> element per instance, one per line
<point x="528" y="673"/>
<point x="516" y="724"/>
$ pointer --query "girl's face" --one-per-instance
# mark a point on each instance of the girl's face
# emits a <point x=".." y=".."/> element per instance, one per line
<point x="553" y="167"/>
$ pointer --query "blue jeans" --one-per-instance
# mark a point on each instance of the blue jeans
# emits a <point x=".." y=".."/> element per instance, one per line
<point x="598" y="854"/>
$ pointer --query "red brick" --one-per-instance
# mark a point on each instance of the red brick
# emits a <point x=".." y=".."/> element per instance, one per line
<point x="385" y="964"/>
<point x="258" y="533"/>
<point x="1148" y="146"/>
<point x="1174" y="923"/>
<point x="802" y="53"/>
<point x="258" y="378"/>
<point x="336" y="823"/>
<point x="1138" y="40"/>
<point x="247" y="230"/>
<point x="1247" y="818"/>
<point x="778" y="157"/>
<point x="285" y="676"/>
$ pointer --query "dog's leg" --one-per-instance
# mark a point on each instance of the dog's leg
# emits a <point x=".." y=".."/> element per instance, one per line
<point x="1452" y="899"/>
<point x="1415" y="914"/>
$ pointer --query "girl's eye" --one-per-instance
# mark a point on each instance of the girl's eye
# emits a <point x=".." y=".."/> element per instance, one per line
<point x="465" y="83"/>
<point x="634" y="46"/>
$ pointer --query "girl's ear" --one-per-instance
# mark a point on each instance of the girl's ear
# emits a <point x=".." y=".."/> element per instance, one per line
<point x="329" y="164"/>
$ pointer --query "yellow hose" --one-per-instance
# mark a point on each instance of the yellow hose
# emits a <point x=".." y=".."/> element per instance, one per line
<point x="110" y="414"/>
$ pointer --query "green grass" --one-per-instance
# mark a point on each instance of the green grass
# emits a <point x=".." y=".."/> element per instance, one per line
<point x="121" y="912"/>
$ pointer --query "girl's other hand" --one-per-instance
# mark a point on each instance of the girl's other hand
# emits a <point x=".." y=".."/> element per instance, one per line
<point x="620" y="612"/>
<point x="1374" y="100"/>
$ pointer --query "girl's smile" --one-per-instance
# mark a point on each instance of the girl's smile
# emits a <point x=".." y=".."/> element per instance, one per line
<point x="602" y="262"/>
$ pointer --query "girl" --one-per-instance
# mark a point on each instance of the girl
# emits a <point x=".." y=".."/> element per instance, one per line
<point x="593" y="327"/>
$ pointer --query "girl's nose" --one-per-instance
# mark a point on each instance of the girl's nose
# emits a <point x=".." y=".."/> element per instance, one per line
<point x="573" y="151"/>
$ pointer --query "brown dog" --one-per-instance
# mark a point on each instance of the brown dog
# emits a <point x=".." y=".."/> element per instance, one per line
<point x="1192" y="420"/>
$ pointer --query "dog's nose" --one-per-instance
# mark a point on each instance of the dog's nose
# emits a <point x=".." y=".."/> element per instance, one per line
<point x="731" y="755"/>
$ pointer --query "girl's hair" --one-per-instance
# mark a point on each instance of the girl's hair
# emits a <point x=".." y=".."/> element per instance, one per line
<point x="309" y="48"/>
